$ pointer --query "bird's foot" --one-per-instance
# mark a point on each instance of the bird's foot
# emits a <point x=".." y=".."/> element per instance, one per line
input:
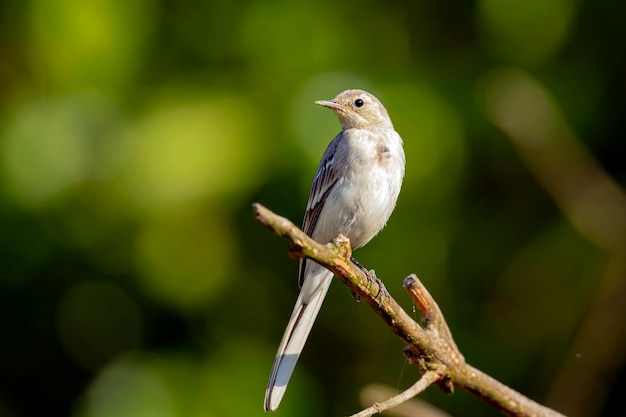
<point x="371" y="276"/>
<point x="356" y="296"/>
<point x="358" y="265"/>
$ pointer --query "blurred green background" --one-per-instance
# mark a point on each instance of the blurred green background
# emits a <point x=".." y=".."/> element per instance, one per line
<point x="134" y="136"/>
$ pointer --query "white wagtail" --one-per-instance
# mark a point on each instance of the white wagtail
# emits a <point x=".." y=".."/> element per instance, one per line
<point x="353" y="193"/>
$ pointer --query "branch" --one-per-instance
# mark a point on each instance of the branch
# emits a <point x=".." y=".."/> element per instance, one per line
<point x="412" y="407"/>
<point x="424" y="382"/>
<point x="431" y="347"/>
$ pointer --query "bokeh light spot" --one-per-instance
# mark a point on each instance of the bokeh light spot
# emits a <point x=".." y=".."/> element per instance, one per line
<point x="526" y="31"/>
<point x="96" y="43"/>
<point x="129" y="388"/>
<point x="46" y="147"/>
<point x="187" y="148"/>
<point x="236" y="372"/>
<point x="183" y="257"/>
<point x="432" y="133"/>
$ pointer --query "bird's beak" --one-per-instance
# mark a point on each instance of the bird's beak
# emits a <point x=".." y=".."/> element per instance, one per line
<point x="330" y="104"/>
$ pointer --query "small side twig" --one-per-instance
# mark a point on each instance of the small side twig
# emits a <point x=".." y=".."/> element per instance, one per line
<point x="427" y="379"/>
<point x="434" y="321"/>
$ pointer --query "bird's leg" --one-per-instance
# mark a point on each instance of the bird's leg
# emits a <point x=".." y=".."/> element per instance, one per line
<point x="358" y="265"/>
<point x="356" y="296"/>
<point x="371" y="276"/>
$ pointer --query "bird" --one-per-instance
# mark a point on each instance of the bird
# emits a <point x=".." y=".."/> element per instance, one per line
<point x="354" y="192"/>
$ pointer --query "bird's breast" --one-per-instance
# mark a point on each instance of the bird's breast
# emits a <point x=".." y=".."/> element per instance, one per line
<point x="365" y="198"/>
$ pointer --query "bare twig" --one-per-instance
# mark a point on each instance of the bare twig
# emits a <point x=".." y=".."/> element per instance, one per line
<point x="410" y="408"/>
<point x="431" y="347"/>
<point x="427" y="379"/>
<point x="433" y="318"/>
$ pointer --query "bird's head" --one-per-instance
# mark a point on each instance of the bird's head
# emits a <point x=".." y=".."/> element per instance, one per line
<point x="358" y="109"/>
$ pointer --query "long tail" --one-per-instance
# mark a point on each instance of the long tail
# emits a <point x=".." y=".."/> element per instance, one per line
<point x="304" y="313"/>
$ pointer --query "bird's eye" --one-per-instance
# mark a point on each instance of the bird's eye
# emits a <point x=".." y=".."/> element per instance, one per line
<point x="359" y="102"/>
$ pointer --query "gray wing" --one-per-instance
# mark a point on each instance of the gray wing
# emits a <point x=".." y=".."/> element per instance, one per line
<point x="325" y="179"/>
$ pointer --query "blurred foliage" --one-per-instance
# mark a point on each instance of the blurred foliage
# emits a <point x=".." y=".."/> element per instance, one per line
<point x="135" y="135"/>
